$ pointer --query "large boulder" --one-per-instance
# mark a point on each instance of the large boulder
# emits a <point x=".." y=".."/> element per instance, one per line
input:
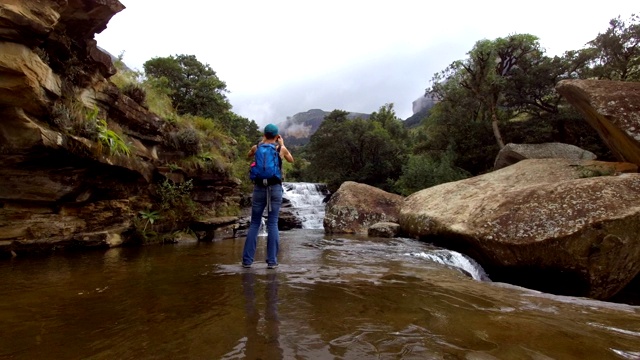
<point x="541" y="223"/>
<point x="512" y="153"/>
<point x="355" y="207"/>
<point x="612" y="108"/>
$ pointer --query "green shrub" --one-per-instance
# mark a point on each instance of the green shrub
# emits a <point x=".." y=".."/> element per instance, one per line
<point x="176" y="204"/>
<point x="188" y="141"/>
<point x="61" y="117"/>
<point x="136" y="93"/>
<point x="422" y="171"/>
<point x="106" y="136"/>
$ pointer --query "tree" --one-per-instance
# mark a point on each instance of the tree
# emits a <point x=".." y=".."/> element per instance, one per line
<point x="615" y="54"/>
<point x="423" y="171"/>
<point x="486" y="72"/>
<point x="195" y="88"/>
<point x="358" y="150"/>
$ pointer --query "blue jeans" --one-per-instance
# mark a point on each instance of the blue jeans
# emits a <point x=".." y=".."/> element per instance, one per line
<point x="259" y="203"/>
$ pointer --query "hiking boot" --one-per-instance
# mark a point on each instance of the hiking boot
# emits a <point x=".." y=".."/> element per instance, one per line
<point x="272" y="266"/>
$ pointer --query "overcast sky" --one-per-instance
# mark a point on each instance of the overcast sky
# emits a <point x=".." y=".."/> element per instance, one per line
<point x="279" y="57"/>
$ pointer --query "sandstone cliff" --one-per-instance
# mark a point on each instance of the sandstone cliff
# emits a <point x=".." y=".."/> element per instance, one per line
<point x="64" y="181"/>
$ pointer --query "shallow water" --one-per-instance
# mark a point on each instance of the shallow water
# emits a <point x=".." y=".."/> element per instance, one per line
<point x="331" y="298"/>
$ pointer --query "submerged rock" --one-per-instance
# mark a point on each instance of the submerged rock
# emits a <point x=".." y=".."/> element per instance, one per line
<point x="384" y="229"/>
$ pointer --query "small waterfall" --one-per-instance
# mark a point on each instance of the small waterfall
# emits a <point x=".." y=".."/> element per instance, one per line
<point x="457" y="260"/>
<point x="307" y="202"/>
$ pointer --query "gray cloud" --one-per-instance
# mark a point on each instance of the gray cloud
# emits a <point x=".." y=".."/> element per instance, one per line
<point x="397" y="78"/>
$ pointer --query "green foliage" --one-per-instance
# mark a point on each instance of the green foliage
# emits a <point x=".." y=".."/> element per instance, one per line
<point x="176" y="204"/>
<point x="196" y="89"/>
<point x="106" y="136"/>
<point x="615" y="54"/>
<point x="157" y="98"/>
<point x="188" y="141"/>
<point x="366" y="151"/>
<point x="62" y="117"/>
<point x="486" y="75"/>
<point x="506" y="87"/>
<point x="173" y="167"/>
<point x="423" y="171"/>
<point x="457" y="124"/>
<point x="115" y="143"/>
<point x="136" y="92"/>
<point x="206" y="162"/>
<point x="150" y="217"/>
<point x="587" y="171"/>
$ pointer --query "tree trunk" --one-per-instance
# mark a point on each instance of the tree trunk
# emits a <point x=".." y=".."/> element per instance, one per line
<point x="496" y="129"/>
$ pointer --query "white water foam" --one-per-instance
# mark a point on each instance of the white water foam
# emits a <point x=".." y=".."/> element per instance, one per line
<point x="457" y="260"/>
<point x="307" y="201"/>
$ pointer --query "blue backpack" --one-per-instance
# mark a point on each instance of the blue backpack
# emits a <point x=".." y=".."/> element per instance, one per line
<point x="265" y="170"/>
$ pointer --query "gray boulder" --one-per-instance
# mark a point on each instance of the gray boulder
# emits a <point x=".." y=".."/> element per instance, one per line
<point x="512" y="153"/>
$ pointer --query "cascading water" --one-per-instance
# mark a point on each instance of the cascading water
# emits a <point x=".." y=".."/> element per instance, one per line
<point x="456" y="260"/>
<point x="307" y="202"/>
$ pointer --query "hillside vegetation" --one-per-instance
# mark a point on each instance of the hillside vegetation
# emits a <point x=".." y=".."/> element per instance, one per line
<point x="502" y="92"/>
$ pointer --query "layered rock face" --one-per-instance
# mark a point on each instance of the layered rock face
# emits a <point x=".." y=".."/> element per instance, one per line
<point x="539" y="223"/>
<point x="58" y="186"/>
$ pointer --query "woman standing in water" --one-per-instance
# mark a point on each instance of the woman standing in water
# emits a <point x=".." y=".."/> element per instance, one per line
<point x="267" y="193"/>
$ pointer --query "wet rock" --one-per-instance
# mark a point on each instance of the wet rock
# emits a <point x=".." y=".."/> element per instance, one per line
<point x="288" y="220"/>
<point x="539" y="223"/>
<point x="355" y="207"/>
<point x="215" y="228"/>
<point x="384" y="229"/>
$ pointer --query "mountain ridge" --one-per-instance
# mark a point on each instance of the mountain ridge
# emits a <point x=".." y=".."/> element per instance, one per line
<point x="297" y="129"/>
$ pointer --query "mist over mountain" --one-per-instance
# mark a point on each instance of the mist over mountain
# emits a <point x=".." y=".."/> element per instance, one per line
<point x="297" y="129"/>
<point x="421" y="109"/>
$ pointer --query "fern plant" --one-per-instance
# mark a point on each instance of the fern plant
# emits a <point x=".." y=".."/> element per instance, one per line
<point x="149" y="216"/>
<point x="106" y="136"/>
<point x="112" y="139"/>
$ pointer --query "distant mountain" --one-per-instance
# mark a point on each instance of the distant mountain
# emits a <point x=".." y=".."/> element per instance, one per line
<point x="415" y="119"/>
<point x="297" y="129"/>
<point x="421" y="109"/>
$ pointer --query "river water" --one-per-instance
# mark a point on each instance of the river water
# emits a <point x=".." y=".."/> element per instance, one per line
<point x="333" y="297"/>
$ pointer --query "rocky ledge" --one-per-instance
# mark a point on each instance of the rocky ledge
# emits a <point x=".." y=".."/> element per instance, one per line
<point x="59" y="184"/>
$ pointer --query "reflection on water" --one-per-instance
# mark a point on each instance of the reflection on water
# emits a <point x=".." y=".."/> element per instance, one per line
<point x="262" y="331"/>
<point x="346" y="298"/>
